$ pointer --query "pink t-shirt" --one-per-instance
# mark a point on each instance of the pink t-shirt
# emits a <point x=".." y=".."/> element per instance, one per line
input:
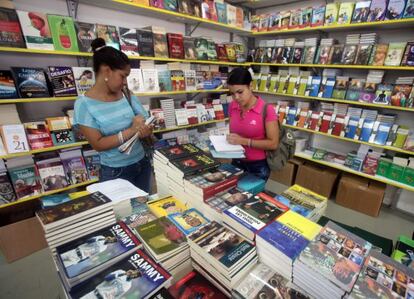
<point x="251" y="125"/>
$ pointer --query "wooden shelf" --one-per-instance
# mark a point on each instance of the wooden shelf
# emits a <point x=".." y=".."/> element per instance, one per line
<point x="140" y="94"/>
<point x="391" y="148"/>
<point x="339" y="66"/>
<point x="158" y="13"/>
<point x="387" y="24"/>
<point x="349" y="170"/>
<point x="190" y="126"/>
<point x="337" y="101"/>
<point x="42" y="150"/>
<point x="19" y="201"/>
<point x="86" y="54"/>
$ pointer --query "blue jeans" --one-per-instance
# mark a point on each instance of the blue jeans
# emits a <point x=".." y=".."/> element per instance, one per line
<point x="138" y="174"/>
<point x="258" y="168"/>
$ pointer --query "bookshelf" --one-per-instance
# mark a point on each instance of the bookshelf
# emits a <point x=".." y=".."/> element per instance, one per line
<point x="172" y="16"/>
<point x="359" y="173"/>
<point x="390" y="148"/>
<point x="48" y="193"/>
<point x="339" y="66"/>
<point x="43" y="150"/>
<point x="386" y="24"/>
<point x="140" y="94"/>
<point x="337" y="101"/>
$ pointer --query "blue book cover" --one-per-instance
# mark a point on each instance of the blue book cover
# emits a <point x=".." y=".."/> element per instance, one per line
<point x="395" y="9"/>
<point x="301" y="210"/>
<point x="7" y="87"/>
<point x="352" y="127"/>
<point x="221" y="8"/>
<point x="135" y="276"/>
<point x="409" y="9"/>
<point x="164" y="80"/>
<point x="366" y="131"/>
<point x="382" y="133"/>
<point x="96" y="249"/>
<point x="31" y="82"/>
<point x="251" y="183"/>
<point x="291" y="117"/>
<point x="54" y="199"/>
<point x="328" y="88"/>
<point x="188" y="221"/>
<point x="316" y="82"/>
<point x="284" y="239"/>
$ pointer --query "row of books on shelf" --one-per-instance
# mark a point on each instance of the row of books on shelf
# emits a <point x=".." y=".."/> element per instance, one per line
<point x="27" y="176"/>
<point x="348" y="122"/>
<point x="19" y="138"/>
<point x="151" y="41"/>
<point x="359" y="49"/>
<point x="66" y="81"/>
<point x="398" y="169"/>
<point x="331" y="85"/>
<point x="334" y="14"/>
<point x="214" y="10"/>
<point x="189" y="113"/>
<point x="293" y="247"/>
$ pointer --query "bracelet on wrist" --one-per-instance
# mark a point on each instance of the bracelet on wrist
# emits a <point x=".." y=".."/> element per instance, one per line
<point x="249" y="143"/>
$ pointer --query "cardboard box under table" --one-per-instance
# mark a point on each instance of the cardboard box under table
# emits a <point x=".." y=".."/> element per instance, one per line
<point x="287" y="175"/>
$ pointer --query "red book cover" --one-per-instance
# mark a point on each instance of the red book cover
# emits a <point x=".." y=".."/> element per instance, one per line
<point x="338" y="125"/>
<point x="314" y="123"/>
<point x="221" y="52"/>
<point x="192" y="115"/>
<point x="326" y="121"/>
<point x="212" y="10"/>
<point x="370" y="165"/>
<point x="302" y="118"/>
<point x="38" y="135"/>
<point x="157" y="3"/>
<point x="175" y="45"/>
<point x="218" y="109"/>
<point x="194" y="285"/>
<point x="282" y="113"/>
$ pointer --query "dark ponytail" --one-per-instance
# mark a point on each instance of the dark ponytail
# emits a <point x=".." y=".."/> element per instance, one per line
<point x="239" y="76"/>
<point x="106" y="55"/>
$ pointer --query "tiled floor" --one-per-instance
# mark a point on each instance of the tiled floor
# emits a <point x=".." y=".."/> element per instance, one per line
<point x="35" y="276"/>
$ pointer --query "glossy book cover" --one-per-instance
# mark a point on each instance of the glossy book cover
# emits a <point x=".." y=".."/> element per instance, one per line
<point x="136" y="276"/>
<point x="188" y="221"/>
<point x="96" y="249"/>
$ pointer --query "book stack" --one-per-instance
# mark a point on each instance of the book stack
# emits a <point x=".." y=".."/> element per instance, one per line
<point x="84" y="257"/>
<point x="304" y="202"/>
<point x="383" y="276"/>
<point x="205" y="185"/>
<point x="223" y="255"/>
<point x="382" y="128"/>
<point x="251" y="183"/>
<point x="329" y="266"/>
<point x="263" y="281"/>
<point x="249" y="217"/>
<point x="366" y="124"/>
<point x="282" y="241"/>
<point x="70" y="220"/>
<point x="221" y="148"/>
<point x="136" y="274"/>
<point x="166" y="244"/>
<point x="167" y="107"/>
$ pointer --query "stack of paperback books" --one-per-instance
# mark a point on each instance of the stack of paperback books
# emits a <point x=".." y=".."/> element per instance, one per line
<point x="167" y="107"/>
<point x="252" y="215"/>
<point x="383" y="277"/>
<point x="135" y="276"/>
<point x="329" y="266"/>
<point x="76" y="218"/>
<point x="304" y="202"/>
<point x="206" y="185"/>
<point x="84" y="257"/>
<point x="223" y="256"/>
<point x="281" y="242"/>
<point x="264" y="282"/>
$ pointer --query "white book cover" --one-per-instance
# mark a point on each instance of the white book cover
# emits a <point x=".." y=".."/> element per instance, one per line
<point x="231" y="14"/>
<point x="135" y="82"/>
<point x="190" y="80"/>
<point x="2" y="149"/>
<point x="35" y="29"/>
<point x="150" y="79"/>
<point x="202" y="113"/>
<point x="221" y="144"/>
<point x="84" y="78"/>
<point x="181" y="116"/>
<point x="14" y="138"/>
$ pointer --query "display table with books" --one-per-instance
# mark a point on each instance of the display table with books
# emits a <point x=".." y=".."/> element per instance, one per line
<point x="257" y="243"/>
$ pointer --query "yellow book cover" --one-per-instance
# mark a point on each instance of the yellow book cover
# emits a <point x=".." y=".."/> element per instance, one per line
<point x="264" y="82"/>
<point x="307" y="194"/>
<point x="291" y="84"/>
<point x="141" y="2"/>
<point x="300" y="224"/>
<point x="166" y="206"/>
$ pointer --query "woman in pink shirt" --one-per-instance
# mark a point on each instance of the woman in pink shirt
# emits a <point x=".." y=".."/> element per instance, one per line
<point x="247" y="126"/>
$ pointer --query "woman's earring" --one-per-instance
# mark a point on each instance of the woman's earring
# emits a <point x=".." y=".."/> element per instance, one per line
<point x="106" y="79"/>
